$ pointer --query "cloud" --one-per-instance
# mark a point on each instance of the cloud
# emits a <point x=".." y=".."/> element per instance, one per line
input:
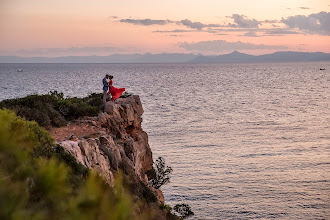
<point x="148" y="22"/>
<point x="175" y="35"/>
<point x="270" y="21"/>
<point x="251" y="34"/>
<point x="242" y="22"/>
<point x="222" y="45"/>
<point x="305" y="8"/>
<point x="174" y="31"/>
<point x="315" y="23"/>
<point x="237" y="29"/>
<point x="196" y="25"/>
<point x="145" y="22"/>
<point x="68" y="51"/>
<point x="279" y="32"/>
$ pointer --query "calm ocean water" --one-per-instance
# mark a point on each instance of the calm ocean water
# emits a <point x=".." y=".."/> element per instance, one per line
<point x="245" y="141"/>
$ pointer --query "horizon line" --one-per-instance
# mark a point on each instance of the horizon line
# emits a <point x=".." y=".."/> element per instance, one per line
<point x="196" y="54"/>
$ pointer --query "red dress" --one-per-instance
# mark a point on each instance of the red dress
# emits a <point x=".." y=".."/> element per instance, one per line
<point x="115" y="92"/>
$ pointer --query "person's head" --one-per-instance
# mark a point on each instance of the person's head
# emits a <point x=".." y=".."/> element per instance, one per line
<point x="110" y="77"/>
<point x="107" y="76"/>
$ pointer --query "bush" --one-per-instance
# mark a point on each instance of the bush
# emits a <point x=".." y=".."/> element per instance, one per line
<point x="53" y="109"/>
<point x="125" y="95"/>
<point x="159" y="175"/>
<point x="183" y="210"/>
<point x="35" y="183"/>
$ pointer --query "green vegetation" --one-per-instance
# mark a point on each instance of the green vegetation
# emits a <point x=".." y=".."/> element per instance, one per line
<point x="180" y="211"/>
<point x="160" y="174"/>
<point x="125" y="94"/>
<point x="183" y="210"/>
<point x="53" y="109"/>
<point x="38" y="180"/>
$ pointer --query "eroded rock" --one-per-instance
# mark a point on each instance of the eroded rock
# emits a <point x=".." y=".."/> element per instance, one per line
<point x="116" y="141"/>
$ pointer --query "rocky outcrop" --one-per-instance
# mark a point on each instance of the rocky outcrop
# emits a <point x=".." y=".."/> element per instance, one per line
<point x="112" y="141"/>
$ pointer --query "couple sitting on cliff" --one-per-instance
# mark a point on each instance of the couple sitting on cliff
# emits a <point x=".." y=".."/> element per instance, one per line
<point x="109" y="89"/>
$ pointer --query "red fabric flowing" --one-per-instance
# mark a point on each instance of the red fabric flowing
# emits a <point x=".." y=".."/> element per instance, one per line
<point x="115" y="92"/>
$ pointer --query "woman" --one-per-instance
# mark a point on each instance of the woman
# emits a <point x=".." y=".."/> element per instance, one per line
<point x="115" y="92"/>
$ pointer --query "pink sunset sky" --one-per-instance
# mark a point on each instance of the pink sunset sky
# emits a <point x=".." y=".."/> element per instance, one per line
<point x="83" y="27"/>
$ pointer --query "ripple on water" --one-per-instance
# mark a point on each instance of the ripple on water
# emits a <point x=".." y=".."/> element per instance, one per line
<point x="245" y="141"/>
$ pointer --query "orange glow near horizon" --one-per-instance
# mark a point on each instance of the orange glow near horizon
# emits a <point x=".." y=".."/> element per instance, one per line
<point x="27" y="27"/>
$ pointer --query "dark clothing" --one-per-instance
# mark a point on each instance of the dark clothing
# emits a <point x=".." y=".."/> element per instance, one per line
<point x="105" y="84"/>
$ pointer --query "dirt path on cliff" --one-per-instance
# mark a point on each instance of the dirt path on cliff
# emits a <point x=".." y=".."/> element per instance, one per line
<point x="81" y="128"/>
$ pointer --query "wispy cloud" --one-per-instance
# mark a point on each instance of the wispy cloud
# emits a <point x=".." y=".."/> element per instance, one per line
<point x="145" y="22"/>
<point x="251" y="34"/>
<point x="67" y="51"/>
<point x="175" y="35"/>
<point x="280" y="32"/>
<point x="312" y="24"/>
<point x="196" y="25"/>
<point x="304" y="8"/>
<point x="222" y="45"/>
<point x="175" y="31"/>
<point x="270" y="21"/>
<point x="240" y="21"/>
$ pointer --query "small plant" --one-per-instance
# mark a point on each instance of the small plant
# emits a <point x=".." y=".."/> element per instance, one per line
<point x="125" y="95"/>
<point x="160" y="175"/>
<point x="183" y="210"/>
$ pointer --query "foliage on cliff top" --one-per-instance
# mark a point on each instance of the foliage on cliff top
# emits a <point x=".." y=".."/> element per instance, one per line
<point x="53" y="109"/>
<point x="35" y="183"/>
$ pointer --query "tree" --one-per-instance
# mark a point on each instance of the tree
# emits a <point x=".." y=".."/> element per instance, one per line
<point x="161" y="174"/>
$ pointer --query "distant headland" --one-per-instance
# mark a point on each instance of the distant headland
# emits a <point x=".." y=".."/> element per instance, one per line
<point x="234" y="57"/>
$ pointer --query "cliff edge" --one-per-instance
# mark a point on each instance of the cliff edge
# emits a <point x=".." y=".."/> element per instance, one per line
<point x="112" y="141"/>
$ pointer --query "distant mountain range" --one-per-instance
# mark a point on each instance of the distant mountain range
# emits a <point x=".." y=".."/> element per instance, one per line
<point x="286" y="56"/>
<point x="234" y="57"/>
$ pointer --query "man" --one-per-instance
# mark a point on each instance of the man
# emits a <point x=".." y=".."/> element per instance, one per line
<point x="106" y="88"/>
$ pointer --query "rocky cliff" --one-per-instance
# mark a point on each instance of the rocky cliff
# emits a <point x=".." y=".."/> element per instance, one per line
<point x="112" y="141"/>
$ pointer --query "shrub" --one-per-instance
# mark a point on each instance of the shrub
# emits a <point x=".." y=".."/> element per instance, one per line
<point x="183" y="210"/>
<point x="159" y="175"/>
<point x="53" y="109"/>
<point x="125" y="95"/>
<point x="35" y="183"/>
<point x="94" y="99"/>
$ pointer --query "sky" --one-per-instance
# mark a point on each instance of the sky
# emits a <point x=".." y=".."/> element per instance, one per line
<point x="50" y="28"/>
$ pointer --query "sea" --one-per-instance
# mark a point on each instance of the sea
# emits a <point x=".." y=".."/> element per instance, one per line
<point x="245" y="141"/>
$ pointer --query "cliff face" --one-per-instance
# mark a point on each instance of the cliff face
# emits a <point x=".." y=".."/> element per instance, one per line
<point x="111" y="141"/>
